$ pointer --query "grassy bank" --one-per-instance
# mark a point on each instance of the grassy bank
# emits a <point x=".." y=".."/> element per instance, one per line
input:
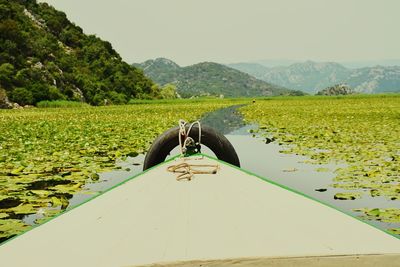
<point x="61" y="104"/>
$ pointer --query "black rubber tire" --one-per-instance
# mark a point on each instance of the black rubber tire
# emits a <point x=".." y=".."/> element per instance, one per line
<point x="212" y="139"/>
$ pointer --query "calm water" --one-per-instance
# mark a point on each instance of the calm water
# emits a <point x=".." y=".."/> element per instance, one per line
<point x="257" y="157"/>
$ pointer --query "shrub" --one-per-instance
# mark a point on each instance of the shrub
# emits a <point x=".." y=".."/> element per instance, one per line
<point x="55" y="94"/>
<point x="117" y="98"/>
<point x="21" y="96"/>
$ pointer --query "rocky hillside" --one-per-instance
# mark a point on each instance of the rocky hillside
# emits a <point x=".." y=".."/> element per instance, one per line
<point x="43" y="56"/>
<point x="208" y="78"/>
<point x="376" y="79"/>
<point x="312" y="76"/>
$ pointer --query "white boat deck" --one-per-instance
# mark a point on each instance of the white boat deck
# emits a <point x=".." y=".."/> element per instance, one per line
<point x="154" y="218"/>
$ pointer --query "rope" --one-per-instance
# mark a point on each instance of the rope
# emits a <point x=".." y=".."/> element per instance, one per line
<point x="187" y="171"/>
<point x="188" y="141"/>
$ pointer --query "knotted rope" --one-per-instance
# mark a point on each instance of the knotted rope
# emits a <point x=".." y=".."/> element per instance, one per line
<point x="187" y="140"/>
<point x="187" y="171"/>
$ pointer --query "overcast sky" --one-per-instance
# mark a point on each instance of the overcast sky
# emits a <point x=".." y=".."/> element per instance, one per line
<point x="227" y="31"/>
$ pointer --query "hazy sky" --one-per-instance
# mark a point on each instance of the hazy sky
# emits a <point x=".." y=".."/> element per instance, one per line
<point x="226" y="31"/>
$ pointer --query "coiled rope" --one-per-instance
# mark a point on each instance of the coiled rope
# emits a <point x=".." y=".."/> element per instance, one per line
<point x="187" y="171"/>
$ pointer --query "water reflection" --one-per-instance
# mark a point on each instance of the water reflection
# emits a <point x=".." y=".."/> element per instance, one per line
<point x="225" y="120"/>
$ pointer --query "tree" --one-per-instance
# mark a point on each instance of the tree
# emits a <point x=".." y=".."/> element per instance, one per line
<point x="10" y="30"/>
<point x="56" y="23"/>
<point x="117" y="98"/>
<point x="39" y="92"/>
<point x="99" y="99"/>
<point x="71" y="37"/>
<point x="6" y="75"/>
<point x="168" y="91"/>
<point x="5" y="11"/>
<point x="55" y="94"/>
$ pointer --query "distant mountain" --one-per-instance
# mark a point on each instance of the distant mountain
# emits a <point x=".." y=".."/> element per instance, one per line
<point x="254" y="69"/>
<point x="276" y="62"/>
<point x="312" y="76"/>
<point x="44" y="56"/>
<point x="270" y="63"/>
<point x="369" y="63"/>
<point x="208" y="78"/>
<point x="376" y="79"/>
<point x="308" y="76"/>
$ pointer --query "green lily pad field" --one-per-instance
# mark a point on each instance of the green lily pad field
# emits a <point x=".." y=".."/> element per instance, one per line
<point x="360" y="132"/>
<point x="47" y="155"/>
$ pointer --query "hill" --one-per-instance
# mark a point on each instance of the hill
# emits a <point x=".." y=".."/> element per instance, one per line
<point x="43" y="56"/>
<point x="208" y="78"/>
<point x="312" y="76"/>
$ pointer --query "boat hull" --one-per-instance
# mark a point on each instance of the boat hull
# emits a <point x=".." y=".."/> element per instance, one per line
<point x="232" y="214"/>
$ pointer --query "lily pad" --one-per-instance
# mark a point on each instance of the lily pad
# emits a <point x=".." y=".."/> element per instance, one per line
<point x="322" y="169"/>
<point x="347" y="196"/>
<point x="10" y="228"/>
<point x="60" y="201"/>
<point x="321" y="190"/>
<point x="395" y="231"/>
<point x="24" y="209"/>
<point x="9" y="202"/>
<point x="389" y="215"/>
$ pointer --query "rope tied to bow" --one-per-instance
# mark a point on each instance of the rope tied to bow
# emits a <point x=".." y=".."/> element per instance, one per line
<point x="187" y="171"/>
<point x="188" y="146"/>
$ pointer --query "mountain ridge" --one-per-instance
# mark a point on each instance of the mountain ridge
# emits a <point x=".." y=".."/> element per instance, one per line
<point x="208" y="78"/>
<point x="311" y="76"/>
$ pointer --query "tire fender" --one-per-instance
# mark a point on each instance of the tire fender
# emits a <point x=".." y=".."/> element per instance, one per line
<point x="210" y="138"/>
